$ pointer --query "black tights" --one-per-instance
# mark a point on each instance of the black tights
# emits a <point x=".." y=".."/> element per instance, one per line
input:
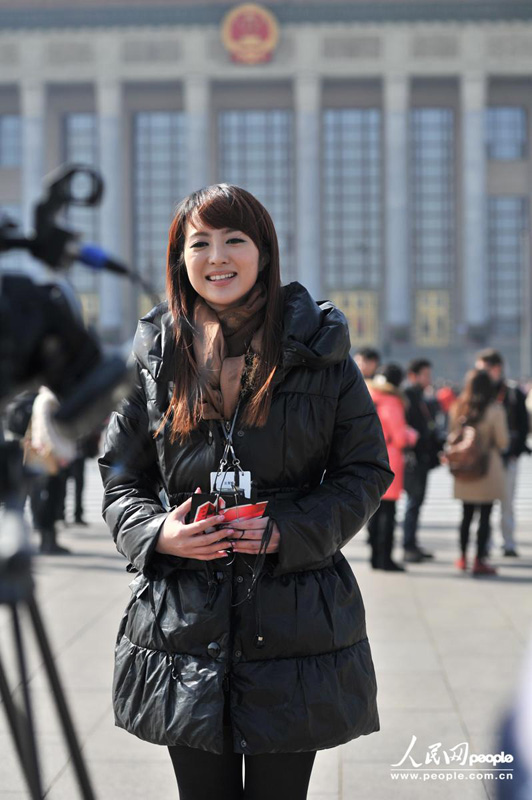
<point x="204" y="776"/>
<point x="483" y="527"/>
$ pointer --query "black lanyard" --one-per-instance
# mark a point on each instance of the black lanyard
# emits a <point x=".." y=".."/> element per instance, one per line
<point x="226" y="465"/>
<point x="228" y="427"/>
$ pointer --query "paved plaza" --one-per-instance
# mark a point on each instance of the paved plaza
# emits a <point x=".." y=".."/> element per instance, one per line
<point x="447" y="651"/>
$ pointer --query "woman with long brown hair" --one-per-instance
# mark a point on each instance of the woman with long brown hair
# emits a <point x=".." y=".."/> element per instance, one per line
<point x="477" y="425"/>
<point x="242" y="639"/>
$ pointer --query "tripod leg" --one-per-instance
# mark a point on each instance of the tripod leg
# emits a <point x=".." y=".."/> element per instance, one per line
<point x="59" y="697"/>
<point x="15" y="721"/>
<point x="26" y="730"/>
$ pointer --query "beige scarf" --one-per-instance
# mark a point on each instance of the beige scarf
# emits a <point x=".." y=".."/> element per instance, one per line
<point x="220" y="344"/>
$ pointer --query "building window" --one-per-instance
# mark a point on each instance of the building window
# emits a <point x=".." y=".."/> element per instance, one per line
<point x="433" y="318"/>
<point x="255" y="151"/>
<point x="10" y="139"/>
<point x="361" y="311"/>
<point x="352" y="198"/>
<point x="80" y="146"/>
<point x="159" y="184"/>
<point x="507" y="226"/>
<point x="506" y="133"/>
<point x="12" y="260"/>
<point x="432" y="192"/>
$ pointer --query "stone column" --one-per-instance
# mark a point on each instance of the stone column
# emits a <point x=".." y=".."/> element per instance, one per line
<point x="111" y="154"/>
<point x="32" y="105"/>
<point x="307" y="95"/>
<point x="474" y="265"/>
<point x="196" y="92"/>
<point x="398" y="281"/>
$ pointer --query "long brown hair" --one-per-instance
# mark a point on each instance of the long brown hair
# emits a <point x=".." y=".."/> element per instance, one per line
<point x="220" y="206"/>
<point x="476" y="396"/>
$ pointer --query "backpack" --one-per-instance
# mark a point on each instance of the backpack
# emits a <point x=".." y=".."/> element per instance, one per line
<point x="468" y="459"/>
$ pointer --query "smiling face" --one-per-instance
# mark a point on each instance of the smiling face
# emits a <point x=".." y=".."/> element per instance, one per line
<point x="222" y="265"/>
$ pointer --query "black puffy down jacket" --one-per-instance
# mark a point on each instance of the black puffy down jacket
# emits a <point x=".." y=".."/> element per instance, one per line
<point x="321" y="462"/>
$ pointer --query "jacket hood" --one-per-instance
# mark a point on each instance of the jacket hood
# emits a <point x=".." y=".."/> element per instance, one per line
<point x="314" y="333"/>
<point x="380" y="385"/>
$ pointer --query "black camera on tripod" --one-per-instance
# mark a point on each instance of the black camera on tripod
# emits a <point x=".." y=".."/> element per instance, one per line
<point x="44" y="342"/>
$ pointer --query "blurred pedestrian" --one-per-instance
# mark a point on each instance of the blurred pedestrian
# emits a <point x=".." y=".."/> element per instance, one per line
<point x="423" y="457"/>
<point x="48" y="453"/>
<point x="513" y="399"/>
<point x="478" y="434"/>
<point x="390" y="404"/>
<point x="367" y="360"/>
<point x="76" y="471"/>
<point x="87" y="447"/>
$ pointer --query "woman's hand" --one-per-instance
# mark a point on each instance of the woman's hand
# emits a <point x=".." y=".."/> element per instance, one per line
<point x="192" y="541"/>
<point x="248" y="533"/>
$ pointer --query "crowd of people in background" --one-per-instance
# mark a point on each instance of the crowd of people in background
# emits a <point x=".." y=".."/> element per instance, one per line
<point x="479" y="433"/>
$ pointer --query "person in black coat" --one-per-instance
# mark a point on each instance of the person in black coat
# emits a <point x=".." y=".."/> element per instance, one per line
<point x="513" y="400"/>
<point x="249" y="640"/>
<point x="422" y="458"/>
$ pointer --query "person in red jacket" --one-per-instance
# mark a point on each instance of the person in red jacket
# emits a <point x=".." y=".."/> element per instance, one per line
<point x="390" y="404"/>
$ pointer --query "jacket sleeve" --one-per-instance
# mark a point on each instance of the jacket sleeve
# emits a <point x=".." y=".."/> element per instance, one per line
<point x="357" y="474"/>
<point x="131" y="479"/>
<point x="501" y="434"/>
<point x="518" y="440"/>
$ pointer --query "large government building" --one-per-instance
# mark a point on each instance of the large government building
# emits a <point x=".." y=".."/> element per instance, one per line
<point x="389" y="140"/>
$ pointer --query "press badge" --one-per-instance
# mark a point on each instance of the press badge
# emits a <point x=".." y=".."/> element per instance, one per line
<point x="231" y="481"/>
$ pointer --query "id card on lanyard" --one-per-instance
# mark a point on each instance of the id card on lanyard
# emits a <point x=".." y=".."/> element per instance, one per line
<point x="230" y="476"/>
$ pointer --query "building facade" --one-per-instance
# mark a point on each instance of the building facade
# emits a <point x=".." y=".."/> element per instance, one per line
<point x="389" y="140"/>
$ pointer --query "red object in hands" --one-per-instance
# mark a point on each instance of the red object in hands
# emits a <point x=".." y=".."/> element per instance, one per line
<point x="204" y="511"/>
<point x="249" y="511"/>
<point x="233" y="514"/>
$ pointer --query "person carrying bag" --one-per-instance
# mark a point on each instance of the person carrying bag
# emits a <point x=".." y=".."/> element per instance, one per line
<point x="478" y="433"/>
